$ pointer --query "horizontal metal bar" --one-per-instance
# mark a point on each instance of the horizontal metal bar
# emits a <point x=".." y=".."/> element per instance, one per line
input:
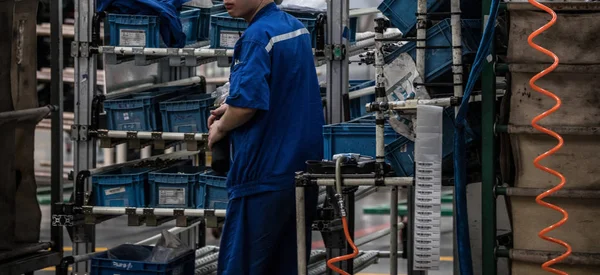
<point x="557" y="6"/>
<point x="533" y="192"/>
<point x="144" y="87"/>
<point x="162" y="212"/>
<point x="149" y="135"/>
<point x="198" y="52"/>
<point x="364" y="11"/>
<point x="395" y="181"/>
<point x="534" y="68"/>
<point x="563" y="130"/>
<point x="538" y="257"/>
<point x="175" y="155"/>
<point x="24" y="250"/>
<point x="27" y="114"/>
<point x="174" y="230"/>
<point x="376" y="235"/>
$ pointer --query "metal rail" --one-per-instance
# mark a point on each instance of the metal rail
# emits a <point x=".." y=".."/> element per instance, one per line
<point x="163" y="212"/>
<point x="563" y="130"/>
<point x="202" y="52"/>
<point x="395" y="181"/>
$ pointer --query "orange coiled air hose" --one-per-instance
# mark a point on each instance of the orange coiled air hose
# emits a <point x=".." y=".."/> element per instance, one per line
<point x="345" y="257"/>
<point x="539" y="199"/>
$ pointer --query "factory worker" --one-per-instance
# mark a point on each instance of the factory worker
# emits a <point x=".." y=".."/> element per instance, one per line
<point x="273" y="117"/>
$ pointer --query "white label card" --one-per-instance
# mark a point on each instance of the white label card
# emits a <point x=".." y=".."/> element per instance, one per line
<point x="174" y="196"/>
<point x="228" y="39"/>
<point x="132" y="38"/>
<point x="114" y="191"/>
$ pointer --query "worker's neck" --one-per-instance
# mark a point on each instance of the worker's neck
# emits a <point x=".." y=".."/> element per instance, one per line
<point x="263" y="4"/>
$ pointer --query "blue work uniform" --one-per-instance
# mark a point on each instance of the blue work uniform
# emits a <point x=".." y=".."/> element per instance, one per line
<point x="273" y="71"/>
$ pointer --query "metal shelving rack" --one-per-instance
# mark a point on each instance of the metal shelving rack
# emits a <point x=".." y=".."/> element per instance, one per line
<point x="492" y="183"/>
<point x="178" y="64"/>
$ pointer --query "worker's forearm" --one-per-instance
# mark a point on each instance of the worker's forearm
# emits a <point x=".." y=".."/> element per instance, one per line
<point x="235" y="117"/>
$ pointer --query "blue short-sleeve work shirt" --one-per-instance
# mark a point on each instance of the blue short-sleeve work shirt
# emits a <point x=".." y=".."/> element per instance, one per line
<point x="273" y="71"/>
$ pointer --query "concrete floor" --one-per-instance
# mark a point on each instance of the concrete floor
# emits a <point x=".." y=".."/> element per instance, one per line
<point x="115" y="232"/>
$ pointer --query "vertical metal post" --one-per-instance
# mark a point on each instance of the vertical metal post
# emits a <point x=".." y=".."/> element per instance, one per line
<point x="85" y="88"/>
<point x="421" y="37"/>
<point x="457" y="71"/>
<point x="488" y="115"/>
<point x="201" y="242"/>
<point x="56" y="139"/>
<point x="381" y="96"/>
<point x="394" y="231"/>
<point x="301" y="231"/>
<point x="337" y="70"/>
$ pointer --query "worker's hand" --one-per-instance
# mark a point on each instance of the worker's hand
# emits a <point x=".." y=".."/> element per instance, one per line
<point x="216" y="113"/>
<point x="215" y="134"/>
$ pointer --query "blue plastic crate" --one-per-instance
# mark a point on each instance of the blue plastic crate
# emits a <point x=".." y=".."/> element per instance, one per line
<point x="122" y="187"/>
<point x="353" y="138"/>
<point x="140" y="112"/>
<point x="439" y="61"/>
<point x="400" y="153"/>
<point x="187" y="113"/>
<point x="225" y="30"/>
<point x="350" y="32"/>
<point x="402" y="13"/>
<point x="174" y="187"/>
<point x="144" y="30"/>
<point x="103" y="265"/>
<point x="358" y="105"/>
<point x="215" y="188"/>
<point x="204" y="24"/>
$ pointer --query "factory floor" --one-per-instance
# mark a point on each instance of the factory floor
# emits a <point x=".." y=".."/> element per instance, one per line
<point x="115" y="232"/>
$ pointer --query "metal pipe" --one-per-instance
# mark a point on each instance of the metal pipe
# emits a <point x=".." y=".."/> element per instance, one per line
<point x="392" y="181"/>
<point x="563" y="130"/>
<point x="378" y="234"/>
<point x="24" y="250"/>
<point x="457" y="71"/>
<point x="301" y="231"/>
<point x="421" y="37"/>
<point x="161" y="212"/>
<point x="533" y="192"/>
<point x="488" y="156"/>
<point x="364" y="192"/>
<point x="394" y="231"/>
<point x="199" y="52"/>
<point x="144" y="87"/>
<point x="150" y="80"/>
<point x="539" y="257"/>
<point x="150" y="135"/>
<point x="174" y="231"/>
<point x="34" y="114"/>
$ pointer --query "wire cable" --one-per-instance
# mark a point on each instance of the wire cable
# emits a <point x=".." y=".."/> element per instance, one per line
<point x="539" y="199"/>
<point x="460" y="169"/>
<point x="331" y="262"/>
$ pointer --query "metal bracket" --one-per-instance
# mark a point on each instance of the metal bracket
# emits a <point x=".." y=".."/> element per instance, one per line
<point x="335" y="52"/>
<point x="80" y="49"/>
<point x="89" y="215"/>
<point x="151" y="219"/>
<point x="191" y="142"/>
<point x="105" y="141"/>
<point x="133" y="219"/>
<point x="63" y="220"/>
<point x="211" y="220"/>
<point x="133" y="141"/>
<point x="159" y="143"/>
<point x="180" y="218"/>
<point x="79" y="132"/>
